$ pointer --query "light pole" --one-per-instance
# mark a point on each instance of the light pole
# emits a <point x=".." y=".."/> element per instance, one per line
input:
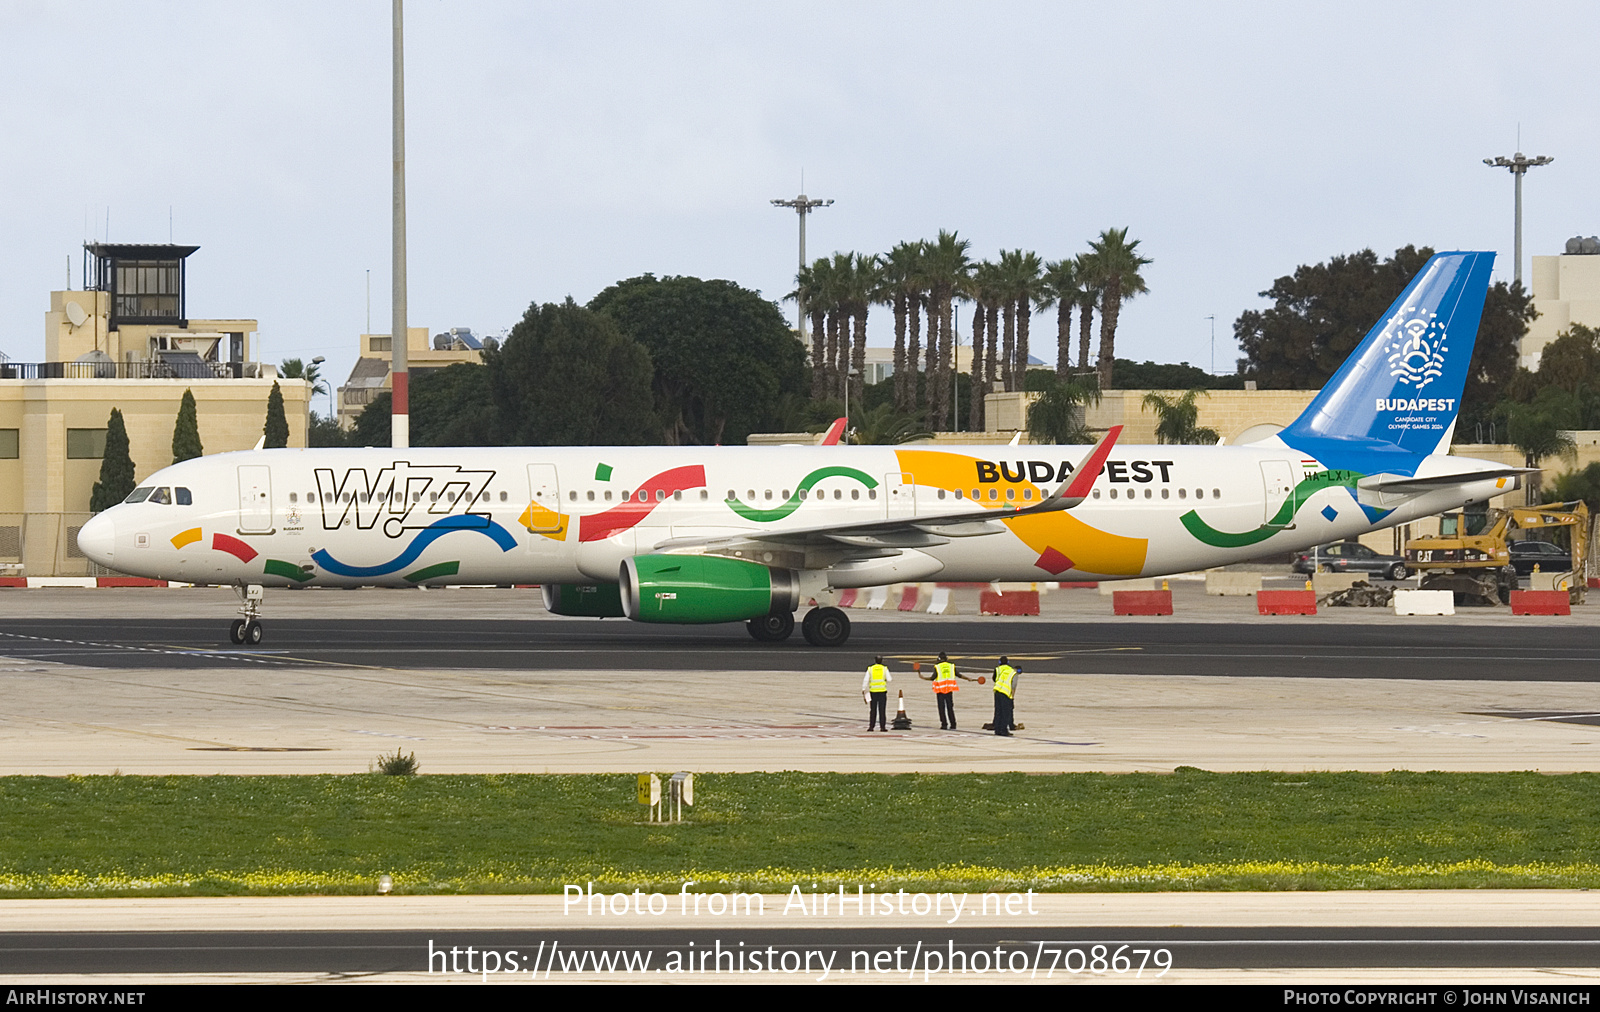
<point x="1518" y="164"/>
<point x="802" y="206"/>
<point x="399" y="365"/>
<point x="1213" y="320"/>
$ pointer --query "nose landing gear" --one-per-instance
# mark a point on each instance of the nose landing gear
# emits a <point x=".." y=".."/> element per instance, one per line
<point x="247" y="630"/>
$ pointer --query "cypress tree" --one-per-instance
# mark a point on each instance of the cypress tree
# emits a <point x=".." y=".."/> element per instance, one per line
<point x="186" y="434"/>
<point x="116" y="467"/>
<point x="276" y="430"/>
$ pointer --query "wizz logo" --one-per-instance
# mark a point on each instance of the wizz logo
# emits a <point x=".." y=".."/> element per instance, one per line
<point x="1416" y="347"/>
<point x="405" y="496"/>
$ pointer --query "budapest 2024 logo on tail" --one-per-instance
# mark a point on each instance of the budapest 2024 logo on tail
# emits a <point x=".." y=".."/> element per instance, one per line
<point x="1417" y="349"/>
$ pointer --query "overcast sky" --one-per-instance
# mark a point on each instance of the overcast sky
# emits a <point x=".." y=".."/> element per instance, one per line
<point x="556" y="148"/>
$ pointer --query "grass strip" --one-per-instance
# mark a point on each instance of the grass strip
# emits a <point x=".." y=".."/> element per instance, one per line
<point x="223" y="835"/>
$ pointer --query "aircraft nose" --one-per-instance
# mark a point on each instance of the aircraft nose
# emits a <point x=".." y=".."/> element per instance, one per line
<point x="97" y="539"/>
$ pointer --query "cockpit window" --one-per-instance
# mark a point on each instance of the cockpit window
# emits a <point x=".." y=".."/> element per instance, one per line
<point x="139" y="495"/>
<point x="162" y="496"/>
<point x="184" y="498"/>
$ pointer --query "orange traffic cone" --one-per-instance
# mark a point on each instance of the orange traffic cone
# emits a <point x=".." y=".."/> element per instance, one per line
<point x="901" y="722"/>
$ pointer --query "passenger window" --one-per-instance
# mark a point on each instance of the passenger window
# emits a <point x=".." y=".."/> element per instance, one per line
<point x="1216" y="493"/>
<point x="1027" y="493"/>
<point x="503" y="496"/>
<point x="1166" y="493"/>
<point x="571" y="496"/>
<point x="785" y="495"/>
<point x="293" y="497"/>
<point x="855" y="493"/>
<point x="732" y="495"/>
<point x="1199" y="493"/>
<point x="941" y="494"/>
<point x="677" y="497"/>
<point x="802" y="495"/>
<point x="704" y="495"/>
<point x="1113" y="493"/>
<point x="994" y="494"/>
<point x="958" y="493"/>
<point x="1183" y="493"/>
<point x="591" y="495"/>
<point x="185" y="499"/>
<point x="661" y="494"/>
<point x="872" y="493"/>
<point x="1148" y="494"/>
<point x="608" y="495"/>
<point x="751" y="495"/>
<point x="1096" y="493"/>
<point x="1011" y="493"/>
<point x="838" y="493"/>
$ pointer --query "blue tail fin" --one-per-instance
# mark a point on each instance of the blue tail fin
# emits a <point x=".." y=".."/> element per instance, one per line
<point x="1401" y="388"/>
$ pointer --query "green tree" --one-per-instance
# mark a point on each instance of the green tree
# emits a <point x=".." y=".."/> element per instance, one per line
<point x="722" y="356"/>
<point x="275" y="432"/>
<point x="1115" y="262"/>
<point x="1570" y="486"/>
<point x="900" y="286"/>
<point x="883" y="425"/>
<point x="325" y="431"/>
<point x="569" y="376"/>
<point x="1321" y="312"/>
<point x="1538" y="430"/>
<point x="1176" y="418"/>
<point x="1057" y="416"/>
<point x="449" y="407"/>
<point x="946" y="267"/>
<point x="116" y="467"/>
<point x="1063" y="289"/>
<point x="186" y="433"/>
<point x="294" y="368"/>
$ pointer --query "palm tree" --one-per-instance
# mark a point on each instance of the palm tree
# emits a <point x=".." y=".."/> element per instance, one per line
<point x="948" y="266"/>
<point x="1057" y="416"/>
<point x="1088" y="298"/>
<point x="1176" y="418"/>
<point x="1028" y="288"/>
<point x="901" y="287"/>
<point x="980" y="289"/>
<point x="1538" y="434"/>
<point x="812" y="287"/>
<point x="858" y="286"/>
<point x="1116" y="264"/>
<point x="1063" y="290"/>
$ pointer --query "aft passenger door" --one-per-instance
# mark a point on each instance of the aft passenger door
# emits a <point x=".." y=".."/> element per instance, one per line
<point x="255" y="499"/>
<point x="544" y="503"/>
<point x="1277" y="476"/>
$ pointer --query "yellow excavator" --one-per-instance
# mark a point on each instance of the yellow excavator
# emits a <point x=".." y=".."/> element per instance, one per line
<point x="1472" y="555"/>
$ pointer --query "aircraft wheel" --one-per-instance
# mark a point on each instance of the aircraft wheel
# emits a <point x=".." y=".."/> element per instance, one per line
<point x="826" y="627"/>
<point x="236" y="631"/>
<point x="252" y="633"/>
<point x="771" y="628"/>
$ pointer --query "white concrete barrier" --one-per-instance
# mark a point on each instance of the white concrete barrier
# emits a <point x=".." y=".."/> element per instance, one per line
<point x="1108" y="587"/>
<point x="1424" y="602"/>
<point x="939" y="602"/>
<point x="1331" y="583"/>
<point x="878" y="598"/>
<point x="1549" y="581"/>
<point x="1224" y="584"/>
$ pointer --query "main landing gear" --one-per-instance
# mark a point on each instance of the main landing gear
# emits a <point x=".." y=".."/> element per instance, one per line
<point x="247" y="630"/>
<point x="822" y="627"/>
<point x="826" y="627"/>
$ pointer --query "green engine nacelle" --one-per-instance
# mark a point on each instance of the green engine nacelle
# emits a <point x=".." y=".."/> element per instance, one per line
<point x="593" y="600"/>
<point x="705" y="588"/>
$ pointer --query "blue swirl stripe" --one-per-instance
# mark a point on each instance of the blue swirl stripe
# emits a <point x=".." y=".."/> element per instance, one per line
<point x="427" y="536"/>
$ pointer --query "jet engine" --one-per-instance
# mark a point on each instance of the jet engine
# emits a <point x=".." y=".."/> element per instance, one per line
<point x="705" y="588"/>
<point x="598" y="600"/>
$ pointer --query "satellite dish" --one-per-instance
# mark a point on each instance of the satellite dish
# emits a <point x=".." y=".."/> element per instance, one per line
<point x="75" y="315"/>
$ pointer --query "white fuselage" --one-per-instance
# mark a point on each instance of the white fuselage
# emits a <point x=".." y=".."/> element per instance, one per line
<point x="526" y="515"/>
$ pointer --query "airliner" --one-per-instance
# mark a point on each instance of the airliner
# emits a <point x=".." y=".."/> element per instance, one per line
<point x="694" y="534"/>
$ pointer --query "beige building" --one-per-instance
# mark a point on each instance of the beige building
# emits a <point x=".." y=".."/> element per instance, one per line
<point x="1566" y="290"/>
<point x="371" y="374"/>
<point x="123" y="343"/>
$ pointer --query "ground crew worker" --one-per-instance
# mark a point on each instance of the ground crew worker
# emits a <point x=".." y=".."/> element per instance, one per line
<point x="875" y="691"/>
<point x="944" y="686"/>
<point x="1004" y="697"/>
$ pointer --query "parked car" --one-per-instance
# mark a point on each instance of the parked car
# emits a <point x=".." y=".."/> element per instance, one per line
<point x="1350" y="557"/>
<point x="1549" y="558"/>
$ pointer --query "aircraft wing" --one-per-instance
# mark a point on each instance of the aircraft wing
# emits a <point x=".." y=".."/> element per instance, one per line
<point x="916" y="531"/>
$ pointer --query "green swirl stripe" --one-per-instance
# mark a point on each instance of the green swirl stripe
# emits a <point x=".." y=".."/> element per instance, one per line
<point x="793" y="502"/>
<point x="1204" y="532"/>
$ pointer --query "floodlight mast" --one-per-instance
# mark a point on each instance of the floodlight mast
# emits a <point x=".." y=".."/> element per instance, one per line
<point x="802" y="206"/>
<point x="399" y="366"/>
<point x="1518" y="164"/>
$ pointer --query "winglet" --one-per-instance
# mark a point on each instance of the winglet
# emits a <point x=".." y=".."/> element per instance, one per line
<point x="831" y="437"/>
<point x="1076" y="488"/>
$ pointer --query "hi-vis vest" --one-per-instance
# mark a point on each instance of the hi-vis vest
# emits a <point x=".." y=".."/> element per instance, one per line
<point x="1002" y="678"/>
<point x="944" y="677"/>
<point x="877" y="678"/>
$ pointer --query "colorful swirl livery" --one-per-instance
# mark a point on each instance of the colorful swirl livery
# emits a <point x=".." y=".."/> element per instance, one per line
<point x="680" y="534"/>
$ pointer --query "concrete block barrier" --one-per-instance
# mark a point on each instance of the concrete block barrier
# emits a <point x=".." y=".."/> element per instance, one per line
<point x="1224" y="584"/>
<point x="1141" y="602"/>
<point x="1424" y="602"/>
<point x="1017" y="602"/>
<point x="1286" y="602"/>
<point x="1540" y="602"/>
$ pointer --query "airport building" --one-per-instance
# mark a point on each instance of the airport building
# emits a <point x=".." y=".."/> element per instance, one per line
<point x="1566" y="290"/>
<point x="126" y="342"/>
<point x="372" y="375"/>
